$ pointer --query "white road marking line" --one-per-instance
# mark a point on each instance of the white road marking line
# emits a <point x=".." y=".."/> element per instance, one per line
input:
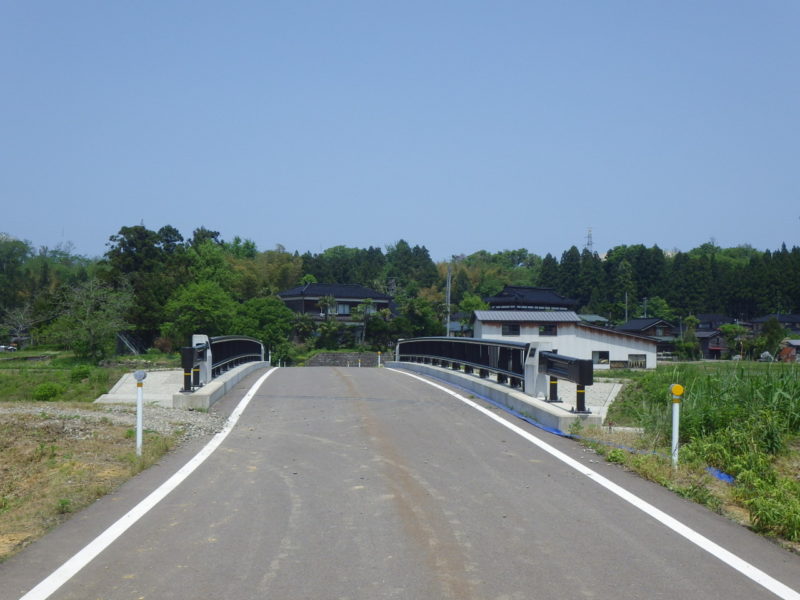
<point x="70" y="568"/>
<point x="770" y="583"/>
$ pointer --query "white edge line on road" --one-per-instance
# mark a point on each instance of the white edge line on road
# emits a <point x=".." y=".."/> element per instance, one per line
<point x="68" y="570"/>
<point x="773" y="585"/>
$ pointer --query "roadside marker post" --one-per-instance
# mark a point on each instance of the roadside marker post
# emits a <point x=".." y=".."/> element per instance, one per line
<point x="676" y="390"/>
<point x="140" y="377"/>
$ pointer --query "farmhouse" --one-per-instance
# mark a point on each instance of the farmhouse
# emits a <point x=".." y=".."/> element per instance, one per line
<point x="310" y="299"/>
<point x="564" y="332"/>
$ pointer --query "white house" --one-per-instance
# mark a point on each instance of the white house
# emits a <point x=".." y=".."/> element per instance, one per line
<point x="565" y="333"/>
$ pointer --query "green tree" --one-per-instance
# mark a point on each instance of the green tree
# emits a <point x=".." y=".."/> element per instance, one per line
<point x="659" y="308"/>
<point x="624" y="290"/>
<point x="412" y="268"/>
<point x="468" y="305"/>
<point x="569" y="271"/>
<point x="327" y="306"/>
<point x="155" y="264"/>
<point x="201" y="307"/>
<point x="734" y="335"/>
<point x="361" y="314"/>
<point x="267" y="319"/>
<point x="92" y="313"/>
<point x="773" y="334"/>
<point x="688" y="346"/>
<point x="549" y="274"/>
<point x="13" y="256"/>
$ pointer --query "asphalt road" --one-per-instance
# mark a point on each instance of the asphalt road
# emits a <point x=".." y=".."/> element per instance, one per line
<point x="366" y="484"/>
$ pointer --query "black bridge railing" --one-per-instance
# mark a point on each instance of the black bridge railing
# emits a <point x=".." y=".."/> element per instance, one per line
<point x="229" y="351"/>
<point x="505" y="360"/>
<point x="210" y="357"/>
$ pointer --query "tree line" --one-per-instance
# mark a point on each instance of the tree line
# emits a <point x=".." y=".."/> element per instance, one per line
<point x="162" y="287"/>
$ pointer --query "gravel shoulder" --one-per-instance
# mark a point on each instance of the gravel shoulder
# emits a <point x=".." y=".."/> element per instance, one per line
<point x="166" y="421"/>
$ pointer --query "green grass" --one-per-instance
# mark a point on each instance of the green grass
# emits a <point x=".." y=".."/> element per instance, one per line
<point x="60" y="377"/>
<point x="742" y="418"/>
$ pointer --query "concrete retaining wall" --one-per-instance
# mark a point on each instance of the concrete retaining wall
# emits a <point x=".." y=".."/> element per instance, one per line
<point x="550" y="415"/>
<point x="343" y="359"/>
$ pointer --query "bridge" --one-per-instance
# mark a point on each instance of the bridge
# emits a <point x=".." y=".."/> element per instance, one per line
<point x="367" y="483"/>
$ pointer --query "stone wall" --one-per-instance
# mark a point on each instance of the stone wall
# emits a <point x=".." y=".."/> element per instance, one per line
<point x="344" y="359"/>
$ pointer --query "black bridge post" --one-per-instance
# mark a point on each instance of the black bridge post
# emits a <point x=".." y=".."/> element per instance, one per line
<point x="553" y="389"/>
<point x="187" y="363"/>
<point x="580" y="404"/>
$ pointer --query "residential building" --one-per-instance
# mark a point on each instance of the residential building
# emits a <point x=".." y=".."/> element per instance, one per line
<point x="308" y="299"/>
<point x="789" y="322"/>
<point x="564" y="332"/>
<point x="656" y="328"/>
<point x="514" y="297"/>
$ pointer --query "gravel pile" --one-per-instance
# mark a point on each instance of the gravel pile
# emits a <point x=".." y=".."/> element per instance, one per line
<point x="166" y="421"/>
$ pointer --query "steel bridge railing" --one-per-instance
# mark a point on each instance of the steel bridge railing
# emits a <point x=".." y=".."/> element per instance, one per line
<point x="208" y="358"/>
<point x="504" y="360"/>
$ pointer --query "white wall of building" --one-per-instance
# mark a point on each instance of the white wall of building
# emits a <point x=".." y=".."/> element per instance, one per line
<point x="572" y="339"/>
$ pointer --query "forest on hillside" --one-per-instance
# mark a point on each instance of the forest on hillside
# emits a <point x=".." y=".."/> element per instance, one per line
<point x="162" y="287"/>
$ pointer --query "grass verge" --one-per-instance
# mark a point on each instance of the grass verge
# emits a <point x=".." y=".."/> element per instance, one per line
<point x="740" y="418"/>
<point x="55" y="465"/>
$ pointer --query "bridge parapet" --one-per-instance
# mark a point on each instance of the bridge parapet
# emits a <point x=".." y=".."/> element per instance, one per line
<point x="510" y="363"/>
<point x="208" y="358"/>
<point x="506" y="361"/>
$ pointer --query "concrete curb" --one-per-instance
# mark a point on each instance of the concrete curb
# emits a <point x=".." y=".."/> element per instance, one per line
<point x="162" y="388"/>
<point x="555" y="416"/>
<point x="204" y="398"/>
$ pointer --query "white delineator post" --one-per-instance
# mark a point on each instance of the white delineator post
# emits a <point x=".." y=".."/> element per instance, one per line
<point x="140" y="377"/>
<point x="677" y="391"/>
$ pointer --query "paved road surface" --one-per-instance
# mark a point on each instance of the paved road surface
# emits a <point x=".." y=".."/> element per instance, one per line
<point x="367" y="483"/>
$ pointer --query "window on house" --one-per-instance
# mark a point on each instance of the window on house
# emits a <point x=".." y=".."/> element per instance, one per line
<point x="548" y="329"/>
<point x="342" y="309"/>
<point x="510" y="329"/>
<point x="600" y="357"/>
<point x="637" y="361"/>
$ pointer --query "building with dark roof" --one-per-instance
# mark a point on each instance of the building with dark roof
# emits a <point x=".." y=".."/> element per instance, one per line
<point x="514" y="297"/>
<point x="788" y="322"/>
<point x="306" y="299"/>
<point x="656" y="328"/>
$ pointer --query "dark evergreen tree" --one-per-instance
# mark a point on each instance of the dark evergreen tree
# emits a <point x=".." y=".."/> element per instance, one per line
<point x="569" y="271"/>
<point x="549" y="275"/>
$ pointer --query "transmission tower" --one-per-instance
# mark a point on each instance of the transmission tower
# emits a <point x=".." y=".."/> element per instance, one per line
<point x="589" y="244"/>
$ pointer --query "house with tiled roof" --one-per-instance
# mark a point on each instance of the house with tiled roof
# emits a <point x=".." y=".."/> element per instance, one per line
<point x="308" y="300"/>
<point x="655" y="328"/>
<point x="789" y="322"/>
<point x="515" y="297"/>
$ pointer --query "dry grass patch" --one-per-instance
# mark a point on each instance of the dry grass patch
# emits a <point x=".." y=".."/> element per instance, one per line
<point x="54" y="465"/>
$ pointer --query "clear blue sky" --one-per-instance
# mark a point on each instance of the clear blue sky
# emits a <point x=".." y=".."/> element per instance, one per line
<point x="457" y="125"/>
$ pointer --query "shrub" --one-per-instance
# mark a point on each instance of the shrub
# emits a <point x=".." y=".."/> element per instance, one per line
<point x="80" y="373"/>
<point x="47" y="391"/>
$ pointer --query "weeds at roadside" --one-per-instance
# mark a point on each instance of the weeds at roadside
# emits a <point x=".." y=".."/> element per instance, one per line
<point x="55" y="466"/>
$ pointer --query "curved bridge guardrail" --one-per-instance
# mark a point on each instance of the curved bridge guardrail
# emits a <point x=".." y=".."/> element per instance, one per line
<point x="505" y="360"/>
<point x="208" y="358"/>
